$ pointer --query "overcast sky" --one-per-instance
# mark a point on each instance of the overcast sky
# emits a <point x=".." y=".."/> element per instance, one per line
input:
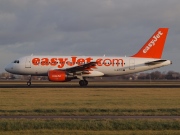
<point x="86" y="27"/>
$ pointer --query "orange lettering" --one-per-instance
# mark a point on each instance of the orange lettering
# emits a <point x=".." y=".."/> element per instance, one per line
<point x="35" y="61"/>
<point x="44" y="61"/>
<point x="107" y="62"/>
<point x="80" y="61"/>
<point x="53" y="61"/>
<point x="62" y="62"/>
<point x="88" y="60"/>
<point x="118" y="61"/>
<point x="73" y="61"/>
<point x="98" y="61"/>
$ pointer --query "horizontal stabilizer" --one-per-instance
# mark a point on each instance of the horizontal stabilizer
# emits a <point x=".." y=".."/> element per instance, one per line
<point x="155" y="62"/>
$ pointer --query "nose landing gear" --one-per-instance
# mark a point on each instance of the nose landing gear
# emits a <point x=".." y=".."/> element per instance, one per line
<point x="29" y="81"/>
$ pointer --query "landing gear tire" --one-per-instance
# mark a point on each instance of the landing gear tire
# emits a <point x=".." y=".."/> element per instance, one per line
<point x="28" y="83"/>
<point x="83" y="82"/>
<point x="86" y="82"/>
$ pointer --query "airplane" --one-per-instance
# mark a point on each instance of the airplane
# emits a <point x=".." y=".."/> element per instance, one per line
<point x="67" y="68"/>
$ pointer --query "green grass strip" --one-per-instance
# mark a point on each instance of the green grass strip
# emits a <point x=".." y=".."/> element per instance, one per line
<point x="94" y="111"/>
<point x="94" y="125"/>
<point x="86" y="132"/>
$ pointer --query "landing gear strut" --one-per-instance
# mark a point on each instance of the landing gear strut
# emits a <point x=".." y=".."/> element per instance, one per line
<point x="83" y="82"/>
<point x="29" y="81"/>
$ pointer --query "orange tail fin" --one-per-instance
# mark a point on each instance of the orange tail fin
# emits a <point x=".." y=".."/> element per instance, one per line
<point x="153" y="48"/>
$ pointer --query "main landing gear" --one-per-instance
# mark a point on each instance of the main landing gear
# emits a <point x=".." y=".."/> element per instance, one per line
<point x="83" y="82"/>
<point x="29" y="81"/>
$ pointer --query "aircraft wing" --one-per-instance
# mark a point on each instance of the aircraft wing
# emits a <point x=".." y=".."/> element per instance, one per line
<point x="155" y="62"/>
<point x="79" y="68"/>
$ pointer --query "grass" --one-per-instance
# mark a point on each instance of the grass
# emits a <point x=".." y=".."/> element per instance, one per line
<point x="89" y="125"/>
<point x="82" y="132"/>
<point x="89" y="101"/>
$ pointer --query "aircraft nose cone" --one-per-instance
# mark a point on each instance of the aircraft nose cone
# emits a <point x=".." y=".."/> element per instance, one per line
<point x="8" y="68"/>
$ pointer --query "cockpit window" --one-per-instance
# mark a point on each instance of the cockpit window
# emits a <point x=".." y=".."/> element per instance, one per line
<point x="16" y="61"/>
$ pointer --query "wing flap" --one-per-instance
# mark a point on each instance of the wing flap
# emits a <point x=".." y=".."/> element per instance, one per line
<point x="86" y="66"/>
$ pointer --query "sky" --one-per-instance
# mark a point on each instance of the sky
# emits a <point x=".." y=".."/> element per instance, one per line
<point x="86" y="27"/>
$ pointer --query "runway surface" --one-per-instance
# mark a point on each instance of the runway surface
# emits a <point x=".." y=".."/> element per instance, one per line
<point x="89" y="117"/>
<point x="45" y="84"/>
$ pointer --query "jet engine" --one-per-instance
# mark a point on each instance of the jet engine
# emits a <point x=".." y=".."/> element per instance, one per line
<point x="59" y="76"/>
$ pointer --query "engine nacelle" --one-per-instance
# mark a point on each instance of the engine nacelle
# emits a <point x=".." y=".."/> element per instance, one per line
<point x="58" y="76"/>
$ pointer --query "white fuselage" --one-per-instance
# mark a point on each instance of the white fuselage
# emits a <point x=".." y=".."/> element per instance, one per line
<point x="108" y="66"/>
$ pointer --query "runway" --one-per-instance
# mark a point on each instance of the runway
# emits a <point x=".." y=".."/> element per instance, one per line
<point x="89" y="117"/>
<point x="46" y="84"/>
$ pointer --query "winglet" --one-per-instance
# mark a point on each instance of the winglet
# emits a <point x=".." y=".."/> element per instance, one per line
<point x="153" y="48"/>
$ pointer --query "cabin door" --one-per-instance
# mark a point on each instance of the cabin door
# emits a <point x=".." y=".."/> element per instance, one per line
<point x="132" y="64"/>
<point x="28" y="62"/>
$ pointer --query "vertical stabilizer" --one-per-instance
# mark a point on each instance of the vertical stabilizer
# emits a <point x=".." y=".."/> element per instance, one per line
<point x="153" y="48"/>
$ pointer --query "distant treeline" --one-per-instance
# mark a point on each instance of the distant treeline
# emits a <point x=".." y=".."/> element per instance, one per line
<point x="155" y="75"/>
